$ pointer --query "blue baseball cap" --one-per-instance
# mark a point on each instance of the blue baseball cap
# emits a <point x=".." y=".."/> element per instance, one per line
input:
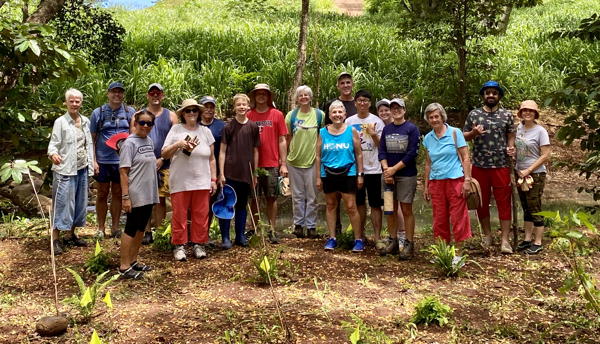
<point x="208" y="99"/>
<point x="491" y="84"/>
<point x="116" y="84"/>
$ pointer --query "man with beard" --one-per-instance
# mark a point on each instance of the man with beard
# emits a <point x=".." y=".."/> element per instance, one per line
<point x="164" y="120"/>
<point x="492" y="131"/>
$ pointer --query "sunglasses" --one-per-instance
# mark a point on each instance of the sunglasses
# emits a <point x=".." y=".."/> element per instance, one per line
<point x="146" y="123"/>
<point x="155" y="93"/>
<point x="191" y="110"/>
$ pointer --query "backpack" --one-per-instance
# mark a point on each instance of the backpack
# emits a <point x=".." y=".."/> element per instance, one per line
<point x="129" y="111"/>
<point x="474" y="199"/>
<point x="295" y="115"/>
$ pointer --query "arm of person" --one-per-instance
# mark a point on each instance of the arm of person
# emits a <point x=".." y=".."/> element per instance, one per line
<point x="167" y="152"/>
<point x="96" y="166"/>
<point x="319" y="182"/>
<point x="283" y="171"/>
<point x="466" y="164"/>
<point x="222" y="152"/>
<point x="426" y="172"/>
<point x="213" y="170"/>
<point x="254" y="165"/>
<point x="544" y="156"/>
<point x="55" y="140"/>
<point x="510" y="148"/>
<point x="359" y="158"/>
<point x="124" y="174"/>
<point x="174" y="118"/>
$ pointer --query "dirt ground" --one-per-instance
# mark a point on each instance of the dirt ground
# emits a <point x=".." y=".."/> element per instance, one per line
<point x="350" y="7"/>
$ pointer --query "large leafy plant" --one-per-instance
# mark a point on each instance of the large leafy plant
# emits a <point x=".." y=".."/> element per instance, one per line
<point x="85" y="301"/>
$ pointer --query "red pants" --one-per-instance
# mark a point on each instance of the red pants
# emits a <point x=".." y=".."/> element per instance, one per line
<point x="196" y="202"/>
<point x="449" y="205"/>
<point x="498" y="180"/>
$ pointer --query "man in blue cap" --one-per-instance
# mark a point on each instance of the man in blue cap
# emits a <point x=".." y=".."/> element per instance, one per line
<point x="109" y="119"/>
<point x="491" y="128"/>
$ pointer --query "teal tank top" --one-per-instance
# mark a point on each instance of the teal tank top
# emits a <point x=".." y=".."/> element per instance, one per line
<point x="337" y="150"/>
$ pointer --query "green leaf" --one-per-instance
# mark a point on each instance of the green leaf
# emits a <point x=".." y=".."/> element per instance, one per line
<point x="65" y="54"/>
<point x="107" y="300"/>
<point x="555" y="215"/>
<point x="95" y="339"/>
<point x="23" y="46"/>
<point x="355" y="336"/>
<point x="574" y="234"/>
<point x="6" y="173"/>
<point x="78" y="279"/>
<point x="35" y="48"/>
<point x="265" y="265"/>
<point x="35" y="169"/>
<point x="21" y="118"/>
<point x="87" y="298"/>
<point x="98" y="249"/>
<point x="16" y="176"/>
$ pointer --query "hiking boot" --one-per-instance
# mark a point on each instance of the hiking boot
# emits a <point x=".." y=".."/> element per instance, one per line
<point x="331" y="244"/>
<point x="380" y="245"/>
<point x="523" y="245"/>
<point x="407" y="251"/>
<point x="147" y="239"/>
<point x="359" y="246"/>
<point x="99" y="235"/>
<point x="311" y="233"/>
<point x="76" y="241"/>
<point x="179" y="253"/>
<point x="115" y="233"/>
<point x="392" y="246"/>
<point x="486" y="242"/>
<point x="299" y="231"/>
<point x="199" y="251"/>
<point x="273" y="239"/>
<point x="506" y="248"/>
<point x="57" y="248"/>
<point x="534" y="249"/>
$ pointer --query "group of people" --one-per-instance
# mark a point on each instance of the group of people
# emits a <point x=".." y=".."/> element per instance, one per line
<point x="139" y="158"/>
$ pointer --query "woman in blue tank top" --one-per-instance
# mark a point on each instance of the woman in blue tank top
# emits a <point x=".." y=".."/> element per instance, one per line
<point x="339" y="170"/>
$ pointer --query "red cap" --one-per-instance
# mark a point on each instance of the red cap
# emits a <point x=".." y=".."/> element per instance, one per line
<point x="114" y="140"/>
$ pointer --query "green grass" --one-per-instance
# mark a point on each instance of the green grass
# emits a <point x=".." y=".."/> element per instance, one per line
<point x="212" y="47"/>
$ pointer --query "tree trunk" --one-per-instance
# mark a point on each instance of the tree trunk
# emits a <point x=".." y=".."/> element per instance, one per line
<point x="461" y="51"/>
<point x="503" y="25"/>
<point x="46" y="11"/>
<point x="301" y="61"/>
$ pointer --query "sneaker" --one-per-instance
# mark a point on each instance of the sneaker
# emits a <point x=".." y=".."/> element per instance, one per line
<point x="458" y="262"/>
<point x="298" y="231"/>
<point x="115" y="233"/>
<point x="523" y="245"/>
<point x="131" y="274"/>
<point x="534" y="249"/>
<point x="311" y="233"/>
<point x="359" y="246"/>
<point x="57" y="248"/>
<point x="407" y="251"/>
<point x="331" y="244"/>
<point x="392" y="246"/>
<point x="179" y="253"/>
<point x="486" y="242"/>
<point x="76" y="241"/>
<point x="273" y="239"/>
<point x="199" y="252"/>
<point x="99" y="235"/>
<point x="506" y="248"/>
<point x="381" y="244"/>
<point x="147" y="239"/>
<point x="401" y="241"/>
<point x="226" y="244"/>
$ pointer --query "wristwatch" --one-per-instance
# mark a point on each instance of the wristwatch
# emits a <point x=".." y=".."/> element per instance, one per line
<point x="361" y="174"/>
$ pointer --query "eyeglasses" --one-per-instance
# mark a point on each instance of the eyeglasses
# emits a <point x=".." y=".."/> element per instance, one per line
<point x="363" y="101"/>
<point x="190" y="110"/>
<point x="155" y="93"/>
<point x="146" y="123"/>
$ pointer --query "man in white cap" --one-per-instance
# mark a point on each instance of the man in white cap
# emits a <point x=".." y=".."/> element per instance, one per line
<point x="164" y="120"/>
<point x="107" y="120"/>
<point x="272" y="152"/>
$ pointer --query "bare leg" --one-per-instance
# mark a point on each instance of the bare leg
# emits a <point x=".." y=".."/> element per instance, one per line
<point x="126" y="249"/>
<point x="376" y="219"/>
<point x="135" y="246"/>
<point x="486" y="227"/>
<point x="115" y="206"/>
<point x="272" y="211"/>
<point x="102" y="205"/>
<point x="350" y="203"/>
<point x="330" y="212"/>
<point x="539" y="234"/>
<point x="528" y="230"/>
<point x="505" y="226"/>
<point x="409" y="220"/>
<point x="362" y="214"/>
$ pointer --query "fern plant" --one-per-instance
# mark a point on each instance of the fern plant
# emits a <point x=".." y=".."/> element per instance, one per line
<point x="444" y="257"/>
<point x="85" y="301"/>
<point x="430" y="310"/>
<point x="98" y="262"/>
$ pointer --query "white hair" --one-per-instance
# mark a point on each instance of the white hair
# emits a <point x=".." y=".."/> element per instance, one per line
<point x="336" y="104"/>
<point x="435" y="107"/>
<point x="72" y="92"/>
<point x="304" y="88"/>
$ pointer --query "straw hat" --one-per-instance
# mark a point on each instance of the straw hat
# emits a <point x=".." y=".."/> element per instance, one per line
<point x="529" y="105"/>
<point x="189" y="103"/>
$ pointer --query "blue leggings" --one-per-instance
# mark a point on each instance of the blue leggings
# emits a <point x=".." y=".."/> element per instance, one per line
<point x="242" y="190"/>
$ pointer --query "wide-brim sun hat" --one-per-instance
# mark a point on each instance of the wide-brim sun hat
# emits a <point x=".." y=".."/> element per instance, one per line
<point x="224" y="206"/>
<point x="113" y="141"/>
<point x="529" y="105"/>
<point x="492" y="84"/>
<point x="188" y="103"/>
<point x="260" y="87"/>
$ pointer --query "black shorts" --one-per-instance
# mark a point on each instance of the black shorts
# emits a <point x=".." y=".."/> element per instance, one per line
<point x="108" y="173"/>
<point x="343" y="184"/>
<point x="138" y="219"/>
<point x="372" y="188"/>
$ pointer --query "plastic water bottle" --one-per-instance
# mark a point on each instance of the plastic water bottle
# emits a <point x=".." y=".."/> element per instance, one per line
<point x="388" y="199"/>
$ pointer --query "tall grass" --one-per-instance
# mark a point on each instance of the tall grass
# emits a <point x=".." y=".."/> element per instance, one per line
<point x="196" y="47"/>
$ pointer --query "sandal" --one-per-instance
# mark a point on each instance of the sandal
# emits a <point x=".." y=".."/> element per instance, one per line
<point x="137" y="266"/>
<point x="131" y="274"/>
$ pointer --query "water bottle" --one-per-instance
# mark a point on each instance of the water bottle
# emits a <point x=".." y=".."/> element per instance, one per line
<point x="388" y="199"/>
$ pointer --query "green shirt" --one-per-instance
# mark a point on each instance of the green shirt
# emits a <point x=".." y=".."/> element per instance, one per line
<point x="304" y="131"/>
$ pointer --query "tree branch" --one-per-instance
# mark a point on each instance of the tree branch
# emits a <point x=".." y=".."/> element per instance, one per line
<point x="46" y="11"/>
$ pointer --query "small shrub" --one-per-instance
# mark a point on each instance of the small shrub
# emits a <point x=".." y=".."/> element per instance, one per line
<point x="162" y="239"/>
<point x="85" y="301"/>
<point x="431" y="311"/>
<point x="445" y="258"/>
<point x="98" y="262"/>
<point x="360" y="332"/>
<point x="345" y="239"/>
<point x="267" y="266"/>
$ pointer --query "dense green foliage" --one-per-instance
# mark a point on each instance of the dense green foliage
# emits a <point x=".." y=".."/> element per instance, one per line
<point x="430" y="310"/>
<point x="91" y="30"/>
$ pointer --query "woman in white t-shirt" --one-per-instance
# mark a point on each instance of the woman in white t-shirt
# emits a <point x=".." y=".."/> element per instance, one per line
<point x="192" y="178"/>
<point x="533" y="150"/>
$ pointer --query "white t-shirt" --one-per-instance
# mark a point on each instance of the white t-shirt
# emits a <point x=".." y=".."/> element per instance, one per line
<point x="370" y="150"/>
<point x="528" y="145"/>
<point x="188" y="173"/>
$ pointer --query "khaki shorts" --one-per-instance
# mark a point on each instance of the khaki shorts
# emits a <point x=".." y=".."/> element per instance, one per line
<point x="267" y="185"/>
<point x="163" y="183"/>
<point x="406" y="187"/>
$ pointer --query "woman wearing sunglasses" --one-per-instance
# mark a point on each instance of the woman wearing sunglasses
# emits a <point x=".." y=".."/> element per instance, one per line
<point x="139" y="185"/>
<point x="192" y="179"/>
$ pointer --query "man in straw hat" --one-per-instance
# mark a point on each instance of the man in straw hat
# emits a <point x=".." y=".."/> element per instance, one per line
<point x="491" y="128"/>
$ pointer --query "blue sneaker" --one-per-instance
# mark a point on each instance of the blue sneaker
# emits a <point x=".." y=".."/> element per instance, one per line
<point x="359" y="246"/>
<point x="331" y="244"/>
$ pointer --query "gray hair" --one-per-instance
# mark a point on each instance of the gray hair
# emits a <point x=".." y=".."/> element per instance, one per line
<point x="433" y="107"/>
<point x="72" y="92"/>
<point x="336" y="104"/>
<point x="304" y="88"/>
